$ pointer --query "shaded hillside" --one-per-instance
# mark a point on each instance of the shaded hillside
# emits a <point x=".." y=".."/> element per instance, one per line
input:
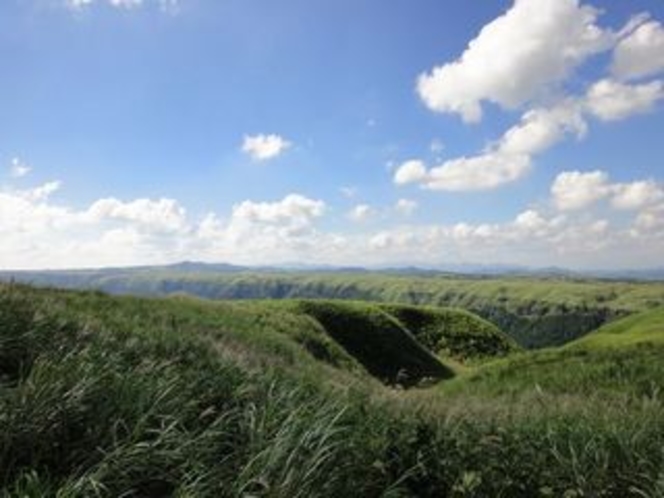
<point x="536" y="312"/>
<point x="376" y="339"/>
<point x="452" y="333"/>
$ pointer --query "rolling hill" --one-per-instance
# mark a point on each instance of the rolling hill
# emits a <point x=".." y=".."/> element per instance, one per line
<point x="125" y="396"/>
<point x="535" y="311"/>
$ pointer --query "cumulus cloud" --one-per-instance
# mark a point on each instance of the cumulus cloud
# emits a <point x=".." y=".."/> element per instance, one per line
<point x="504" y="161"/>
<point x="531" y="237"/>
<point x="640" y="53"/>
<point x="361" y="213"/>
<point x="483" y="172"/>
<point x="157" y="215"/>
<point x="636" y="195"/>
<point x="611" y="100"/>
<point x="294" y="207"/>
<point x="38" y="230"/>
<point x="574" y="190"/>
<point x="525" y="58"/>
<point x="515" y="58"/>
<point x="18" y="168"/>
<point x="264" y="147"/>
<point x="650" y="221"/>
<point x="282" y="230"/>
<point x="410" y="172"/>
<point x="511" y="157"/>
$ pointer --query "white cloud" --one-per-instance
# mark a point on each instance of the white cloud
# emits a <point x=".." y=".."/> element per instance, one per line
<point x="636" y="195"/>
<point x="77" y="4"/>
<point x="38" y="231"/>
<point x="650" y="221"/>
<point x="574" y="190"/>
<point x="406" y="207"/>
<point x="258" y="232"/>
<point x="610" y="100"/>
<point x="641" y="53"/>
<point x="361" y="213"/>
<point x="126" y="4"/>
<point x="263" y="147"/>
<point x="541" y="128"/>
<point x="483" y="172"/>
<point x="294" y="208"/>
<point x="511" y="157"/>
<point x="166" y="6"/>
<point x="504" y="161"/>
<point x="515" y="58"/>
<point x="119" y="4"/>
<point x="18" y="168"/>
<point x="156" y="215"/>
<point x="524" y="57"/>
<point x="531" y="238"/>
<point x="410" y="172"/>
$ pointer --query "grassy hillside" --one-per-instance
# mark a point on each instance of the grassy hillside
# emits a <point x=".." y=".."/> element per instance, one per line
<point x="379" y="342"/>
<point x="452" y="333"/>
<point x="622" y="357"/>
<point x="106" y="396"/>
<point x="645" y="327"/>
<point x="536" y="312"/>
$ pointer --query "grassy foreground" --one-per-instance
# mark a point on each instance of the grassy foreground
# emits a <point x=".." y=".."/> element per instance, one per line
<point x="111" y="397"/>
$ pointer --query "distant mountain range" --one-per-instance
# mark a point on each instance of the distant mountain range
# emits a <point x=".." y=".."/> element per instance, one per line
<point x="59" y="277"/>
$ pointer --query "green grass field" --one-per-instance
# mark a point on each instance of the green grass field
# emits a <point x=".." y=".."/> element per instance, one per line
<point x="125" y="396"/>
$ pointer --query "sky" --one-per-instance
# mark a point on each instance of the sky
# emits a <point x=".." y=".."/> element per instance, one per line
<point x="353" y="132"/>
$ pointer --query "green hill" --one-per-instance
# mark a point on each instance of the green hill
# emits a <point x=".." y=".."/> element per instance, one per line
<point x="623" y="356"/>
<point x="452" y="333"/>
<point x="121" y="396"/>
<point x="535" y="311"/>
<point x="375" y="338"/>
<point x="645" y="327"/>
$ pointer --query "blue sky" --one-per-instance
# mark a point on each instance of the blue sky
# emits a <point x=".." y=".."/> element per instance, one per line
<point x="349" y="132"/>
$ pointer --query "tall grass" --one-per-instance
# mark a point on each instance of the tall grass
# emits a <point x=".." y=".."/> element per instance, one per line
<point x="126" y="397"/>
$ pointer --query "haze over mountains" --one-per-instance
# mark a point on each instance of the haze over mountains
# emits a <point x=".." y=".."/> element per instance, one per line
<point x="468" y="269"/>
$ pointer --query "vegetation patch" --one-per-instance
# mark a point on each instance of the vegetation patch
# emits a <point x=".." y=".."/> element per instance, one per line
<point x="379" y="341"/>
<point x="122" y="396"/>
<point x="453" y="333"/>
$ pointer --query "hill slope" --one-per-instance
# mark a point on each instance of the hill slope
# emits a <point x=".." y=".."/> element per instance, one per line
<point x="644" y="327"/>
<point x="376" y="339"/>
<point x="105" y="396"/>
<point x="452" y="333"/>
<point x="622" y="357"/>
<point x="536" y="312"/>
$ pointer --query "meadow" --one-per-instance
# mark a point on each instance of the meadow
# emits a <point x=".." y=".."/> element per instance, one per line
<point x="148" y="397"/>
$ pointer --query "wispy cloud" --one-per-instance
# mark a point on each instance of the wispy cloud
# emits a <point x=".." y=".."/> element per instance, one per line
<point x="169" y="6"/>
<point x="18" y="168"/>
